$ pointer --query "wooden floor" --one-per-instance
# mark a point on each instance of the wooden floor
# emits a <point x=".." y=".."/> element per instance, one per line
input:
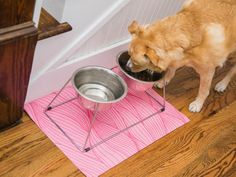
<point x="206" y="146"/>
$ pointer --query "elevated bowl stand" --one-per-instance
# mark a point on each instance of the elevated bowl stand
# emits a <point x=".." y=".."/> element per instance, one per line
<point x="84" y="147"/>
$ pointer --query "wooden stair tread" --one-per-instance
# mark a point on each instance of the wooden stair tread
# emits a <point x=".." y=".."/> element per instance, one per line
<point x="49" y="26"/>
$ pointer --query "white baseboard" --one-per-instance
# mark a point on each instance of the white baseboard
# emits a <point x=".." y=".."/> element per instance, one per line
<point x="55" y="79"/>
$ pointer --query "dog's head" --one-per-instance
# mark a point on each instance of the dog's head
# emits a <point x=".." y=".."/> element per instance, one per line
<point x="142" y="56"/>
<point x="152" y="49"/>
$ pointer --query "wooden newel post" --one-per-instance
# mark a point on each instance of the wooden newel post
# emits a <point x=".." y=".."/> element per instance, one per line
<point x="18" y="38"/>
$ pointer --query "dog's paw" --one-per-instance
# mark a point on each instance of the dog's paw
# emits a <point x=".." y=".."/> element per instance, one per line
<point x="221" y="86"/>
<point x="159" y="84"/>
<point x="195" y="106"/>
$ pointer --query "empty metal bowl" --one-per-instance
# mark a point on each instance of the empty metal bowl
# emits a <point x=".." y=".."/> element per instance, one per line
<point x="98" y="86"/>
<point x="140" y="81"/>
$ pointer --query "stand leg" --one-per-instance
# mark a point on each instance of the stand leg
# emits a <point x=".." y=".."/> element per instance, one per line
<point x="90" y="128"/>
<point x="164" y="95"/>
<point x="85" y="148"/>
<point x="159" y="102"/>
<point x="49" y="107"/>
<point x="69" y="138"/>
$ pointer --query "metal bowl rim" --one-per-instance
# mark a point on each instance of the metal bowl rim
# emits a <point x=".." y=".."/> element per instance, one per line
<point x="131" y="77"/>
<point x="125" y="87"/>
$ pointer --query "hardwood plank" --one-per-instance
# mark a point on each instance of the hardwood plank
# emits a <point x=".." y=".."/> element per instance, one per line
<point x="187" y="81"/>
<point x="204" y="144"/>
<point x="49" y="26"/>
<point x="26" y="151"/>
<point x="198" y="149"/>
<point x="184" y="87"/>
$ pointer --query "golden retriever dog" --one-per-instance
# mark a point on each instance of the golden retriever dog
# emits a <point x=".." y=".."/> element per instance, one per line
<point x="200" y="36"/>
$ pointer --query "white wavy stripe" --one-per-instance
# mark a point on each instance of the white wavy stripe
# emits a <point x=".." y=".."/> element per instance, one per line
<point x="104" y="131"/>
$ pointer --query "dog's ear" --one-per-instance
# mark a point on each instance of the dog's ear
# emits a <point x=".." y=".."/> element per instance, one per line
<point x="135" y="29"/>
<point x="152" y="56"/>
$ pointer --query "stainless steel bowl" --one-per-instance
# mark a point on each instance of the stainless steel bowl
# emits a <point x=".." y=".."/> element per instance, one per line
<point x="98" y="86"/>
<point x="140" y="81"/>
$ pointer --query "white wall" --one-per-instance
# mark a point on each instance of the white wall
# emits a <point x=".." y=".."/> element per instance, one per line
<point x="82" y="13"/>
<point x="144" y="11"/>
<point x="99" y="34"/>
<point x="51" y="52"/>
<point x="37" y="11"/>
<point x="55" y="7"/>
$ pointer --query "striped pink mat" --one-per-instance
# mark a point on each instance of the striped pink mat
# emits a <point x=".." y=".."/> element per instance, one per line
<point x="74" y="121"/>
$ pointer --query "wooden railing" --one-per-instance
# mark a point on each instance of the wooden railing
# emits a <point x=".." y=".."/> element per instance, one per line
<point x="49" y="26"/>
<point x="18" y="38"/>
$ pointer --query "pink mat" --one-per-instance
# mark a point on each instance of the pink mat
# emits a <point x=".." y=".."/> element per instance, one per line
<point x="75" y="120"/>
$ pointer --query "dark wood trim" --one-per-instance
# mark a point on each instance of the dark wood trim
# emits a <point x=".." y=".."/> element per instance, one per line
<point x="17" y="122"/>
<point x="16" y="56"/>
<point x="14" y="12"/>
<point x="59" y="29"/>
<point x="49" y="26"/>
<point x="16" y="31"/>
<point x="18" y="38"/>
<point x="16" y="27"/>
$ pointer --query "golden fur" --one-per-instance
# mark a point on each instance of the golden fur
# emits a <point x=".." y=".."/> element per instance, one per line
<point x="201" y="36"/>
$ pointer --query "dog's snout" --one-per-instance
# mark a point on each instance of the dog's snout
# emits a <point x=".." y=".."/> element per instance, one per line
<point x="129" y="64"/>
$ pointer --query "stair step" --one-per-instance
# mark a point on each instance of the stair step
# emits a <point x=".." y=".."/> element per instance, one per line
<point x="49" y="26"/>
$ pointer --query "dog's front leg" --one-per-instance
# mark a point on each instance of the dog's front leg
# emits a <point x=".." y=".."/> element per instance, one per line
<point x="206" y="76"/>
<point x="170" y="73"/>
<point x="167" y="78"/>
<point x="222" y="85"/>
